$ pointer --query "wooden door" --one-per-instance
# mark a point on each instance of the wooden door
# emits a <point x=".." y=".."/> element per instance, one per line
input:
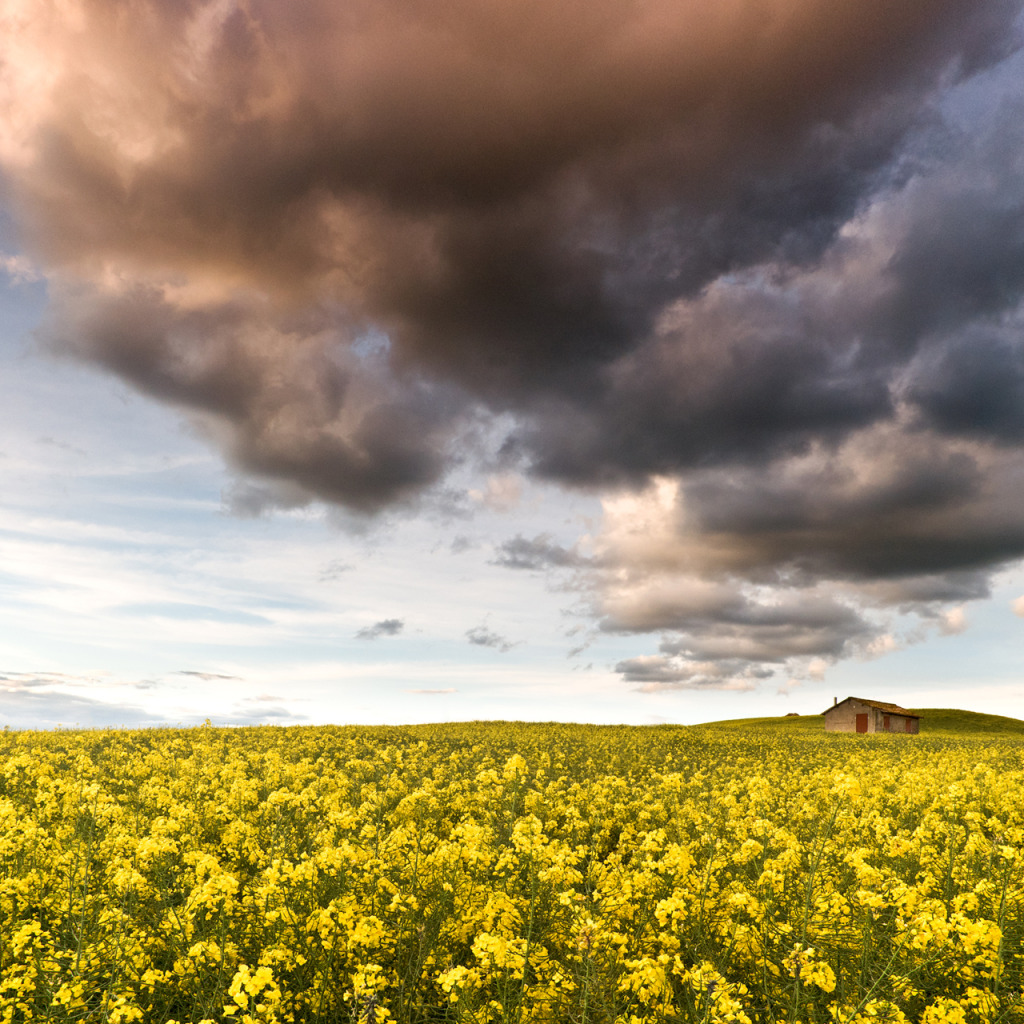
<point x="885" y="723"/>
<point x="862" y="723"/>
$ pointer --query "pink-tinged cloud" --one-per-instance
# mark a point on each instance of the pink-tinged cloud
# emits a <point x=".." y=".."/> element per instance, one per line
<point x="753" y="249"/>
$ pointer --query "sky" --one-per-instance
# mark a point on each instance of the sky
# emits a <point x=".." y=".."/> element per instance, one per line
<point x="618" y="361"/>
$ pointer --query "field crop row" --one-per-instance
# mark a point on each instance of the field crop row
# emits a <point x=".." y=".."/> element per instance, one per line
<point x="502" y="872"/>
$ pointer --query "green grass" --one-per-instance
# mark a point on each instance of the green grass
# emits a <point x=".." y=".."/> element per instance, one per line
<point x="954" y="720"/>
<point x="933" y="720"/>
<point x="798" y="723"/>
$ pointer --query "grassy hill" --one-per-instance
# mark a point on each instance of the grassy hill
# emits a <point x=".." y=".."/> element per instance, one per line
<point x="933" y="720"/>
<point x="954" y="720"/>
<point x="798" y="723"/>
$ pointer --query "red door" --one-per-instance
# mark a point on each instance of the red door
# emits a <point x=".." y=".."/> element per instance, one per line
<point x="909" y="725"/>
<point x="885" y="723"/>
<point x="862" y="723"/>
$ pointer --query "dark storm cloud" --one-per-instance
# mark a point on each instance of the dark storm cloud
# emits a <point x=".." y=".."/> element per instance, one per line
<point x="771" y="251"/>
<point x="386" y="627"/>
<point x="915" y="592"/>
<point x="716" y="636"/>
<point x="283" y="395"/>
<point x="887" y="507"/>
<point x="744" y="630"/>
<point x="974" y="385"/>
<point x="513" y="194"/>
<point x="917" y="302"/>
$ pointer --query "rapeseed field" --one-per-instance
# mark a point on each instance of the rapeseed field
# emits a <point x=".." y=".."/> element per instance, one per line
<point x="504" y="872"/>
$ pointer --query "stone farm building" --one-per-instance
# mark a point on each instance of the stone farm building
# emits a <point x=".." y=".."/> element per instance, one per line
<point x="858" y="715"/>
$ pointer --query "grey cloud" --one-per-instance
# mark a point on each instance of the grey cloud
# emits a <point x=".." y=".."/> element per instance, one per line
<point x="919" y="304"/>
<point x="386" y="627"/>
<point x="787" y="637"/>
<point x="911" y="316"/>
<point x="32" y="709"/>
<point x="918" y="592"/>
<point x="334" y="570"/>
<point x="540" y="552"/>
<point x="64" y="446"/>
<point x="257" y="710"/>
<point x="959" y="260"/>
<point x="19" y="681"/>
<point x="460" y="544"/>
<point x="734" y="628"/>
<point x="481" y="636"/>
<point x="207" y="677"/>
<point x="18" y="269"/>
<point x="788" y="564"/>
<point x="935" y="510"/>
<point x="283" y="396"/>
<point x="579" y="648"/>
<point x="973" y="385"/>
<point x="510" y="199"/>
<point x="659" y="672"/>
<point x="758" y="250"/>
<point x="251" y="499"/>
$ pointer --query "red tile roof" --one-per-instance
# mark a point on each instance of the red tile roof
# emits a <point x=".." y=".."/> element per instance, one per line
<point x="889" y="709"/>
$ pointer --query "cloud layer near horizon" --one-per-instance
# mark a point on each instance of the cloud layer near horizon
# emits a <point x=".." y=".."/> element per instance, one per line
<point x="758" y="266"/>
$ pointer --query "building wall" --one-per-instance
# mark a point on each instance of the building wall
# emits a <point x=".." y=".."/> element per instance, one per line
<point x="843" y="718"/>
<point x="899" y="724"/>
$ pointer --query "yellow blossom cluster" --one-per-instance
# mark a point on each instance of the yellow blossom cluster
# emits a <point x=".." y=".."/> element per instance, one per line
<point x="508" y="872"/>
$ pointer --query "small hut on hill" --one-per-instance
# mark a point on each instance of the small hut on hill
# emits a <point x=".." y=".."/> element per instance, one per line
<point x="855" y="714"/>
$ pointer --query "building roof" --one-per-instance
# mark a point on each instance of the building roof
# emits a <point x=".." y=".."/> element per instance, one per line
<point x="889" y="709"/>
